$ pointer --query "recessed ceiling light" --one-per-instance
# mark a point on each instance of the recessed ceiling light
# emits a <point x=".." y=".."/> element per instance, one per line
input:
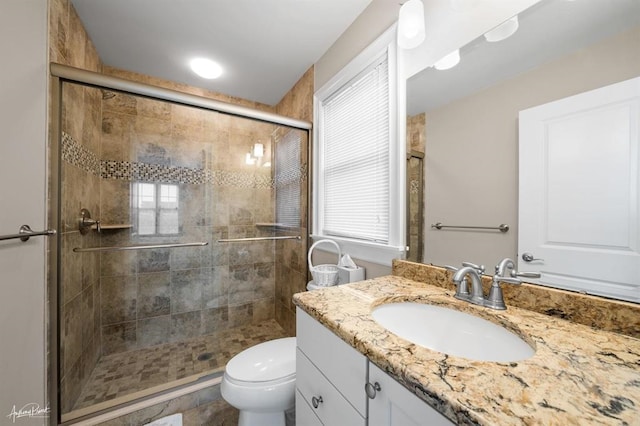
<point x="206" y="68"/>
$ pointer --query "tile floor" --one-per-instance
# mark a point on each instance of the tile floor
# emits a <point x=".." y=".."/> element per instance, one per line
<point x="125" y="373"/>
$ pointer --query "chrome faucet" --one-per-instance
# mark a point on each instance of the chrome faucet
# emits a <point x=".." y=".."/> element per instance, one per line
<point x="495" y="299"/>
<point x="505" y="273"/>
<point x="474" y="272"/>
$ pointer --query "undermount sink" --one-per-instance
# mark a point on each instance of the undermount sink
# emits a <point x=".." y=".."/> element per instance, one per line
<point x="452" y="332"/>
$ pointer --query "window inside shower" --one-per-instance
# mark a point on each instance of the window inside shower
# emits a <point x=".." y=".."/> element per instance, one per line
<point x="140" y="309"/>
<point x="155" y="208"/>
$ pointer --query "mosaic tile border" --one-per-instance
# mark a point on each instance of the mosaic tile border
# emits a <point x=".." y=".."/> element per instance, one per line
<point x="75" y="154"/>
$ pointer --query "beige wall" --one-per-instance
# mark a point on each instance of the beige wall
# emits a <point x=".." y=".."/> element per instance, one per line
<point x="371" y="23"/>
<point x="23" y="84"/>
<point x="472" y="149"/>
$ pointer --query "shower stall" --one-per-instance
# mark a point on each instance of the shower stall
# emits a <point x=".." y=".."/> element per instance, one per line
<point x="179" y="218"/>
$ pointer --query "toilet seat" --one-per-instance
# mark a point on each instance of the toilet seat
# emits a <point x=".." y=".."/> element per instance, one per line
<point x="271" y="362"/>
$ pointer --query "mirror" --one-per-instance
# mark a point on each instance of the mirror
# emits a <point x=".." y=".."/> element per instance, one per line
<point x="469" y="116"/>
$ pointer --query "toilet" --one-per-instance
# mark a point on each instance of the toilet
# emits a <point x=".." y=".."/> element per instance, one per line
<point x="261" y="382"/>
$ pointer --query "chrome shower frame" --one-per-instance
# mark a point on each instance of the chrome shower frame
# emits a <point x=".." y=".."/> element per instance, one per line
<point x="61" y="74"/>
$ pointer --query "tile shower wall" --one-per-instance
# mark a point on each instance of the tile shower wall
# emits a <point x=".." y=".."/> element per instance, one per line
<point x="291" y="255"/>
<point x="80" y="284"/>
<point x="416" y="135"/>
<point x="80" y="289"/>
<point x="416" y="132"/>
<point x="157" y="296"/>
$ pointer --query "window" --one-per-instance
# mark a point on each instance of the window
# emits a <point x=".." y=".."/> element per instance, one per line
<point x="358" y="193"/>
<point x="356" y="157"/>
<point x="156" y="206"/>
<point x="287" y="179"/>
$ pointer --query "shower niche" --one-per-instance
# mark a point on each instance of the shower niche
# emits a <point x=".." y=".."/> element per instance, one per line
<point x="148" y="295"/>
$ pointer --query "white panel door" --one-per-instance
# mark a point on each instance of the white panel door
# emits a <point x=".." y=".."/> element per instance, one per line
<point x="579" y="192"/>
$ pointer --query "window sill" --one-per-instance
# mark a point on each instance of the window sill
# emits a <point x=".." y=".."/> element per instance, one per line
<point x="380" y="254"/>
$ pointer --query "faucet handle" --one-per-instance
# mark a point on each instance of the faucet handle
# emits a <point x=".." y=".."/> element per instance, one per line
<point x="86" y="223"/>
<point x="479" y="268"/>
<point x="509" y="280"/>
<point x="450" y="268"/>
<point x="525" y="274"/>
<point x="495" y="300"/>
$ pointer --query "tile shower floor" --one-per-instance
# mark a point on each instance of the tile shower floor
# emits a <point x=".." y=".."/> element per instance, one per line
<point x="124" y="373"/>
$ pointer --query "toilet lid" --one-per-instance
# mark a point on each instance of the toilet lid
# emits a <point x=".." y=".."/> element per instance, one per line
<point x="264" y="362"/>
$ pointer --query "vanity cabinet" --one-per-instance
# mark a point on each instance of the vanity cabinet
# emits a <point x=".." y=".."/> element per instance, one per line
<point x="330" y="385"/>
<point x="393" y="405"/>
<point x="330" y="377"/>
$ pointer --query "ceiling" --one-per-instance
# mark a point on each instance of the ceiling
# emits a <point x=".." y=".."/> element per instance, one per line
<point x="264" y="46"/>
<point x="548" y="30"/>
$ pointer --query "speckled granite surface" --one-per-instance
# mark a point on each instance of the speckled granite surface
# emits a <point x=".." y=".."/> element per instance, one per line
<point x="578" y="375"/>
<point x="599" y="312"/>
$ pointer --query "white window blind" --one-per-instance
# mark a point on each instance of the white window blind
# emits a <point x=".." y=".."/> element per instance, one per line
<point x="356" y="160"/>
<point x="288" y="178"/>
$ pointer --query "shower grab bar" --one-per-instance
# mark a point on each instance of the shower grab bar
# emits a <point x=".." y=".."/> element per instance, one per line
<point x="239" y="240"/>
<point x="25" y="232"/>
<point x="141" y="247"/>
<point x="502" y="227"/>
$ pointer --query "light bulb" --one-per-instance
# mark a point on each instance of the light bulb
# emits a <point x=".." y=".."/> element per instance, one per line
<point x="206" y="68"/>
<point x="411" y="30"/>
<point x="503" y="31"/>
<point x="449" y="61"/>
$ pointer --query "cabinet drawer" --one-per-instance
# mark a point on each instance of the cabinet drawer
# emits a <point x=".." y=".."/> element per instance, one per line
<point x="334" y="408"/>
<point x="304" y="413"/>
<point x="342" y="365"/>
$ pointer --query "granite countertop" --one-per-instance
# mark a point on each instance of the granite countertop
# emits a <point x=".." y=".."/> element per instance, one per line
<point x="578" y="375"/>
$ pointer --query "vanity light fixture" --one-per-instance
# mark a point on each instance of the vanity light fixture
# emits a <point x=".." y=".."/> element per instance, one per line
<point x="411" y="30"/>
<point x="258" y="150"/>
<point x="449" y="61"/>
<point x="206" y="68"/>
<point x="503" y="31"/>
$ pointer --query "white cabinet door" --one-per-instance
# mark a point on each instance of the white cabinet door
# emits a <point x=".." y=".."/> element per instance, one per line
<point x="341" y="364"/>
<point x="579" y="210"/>
<point x="393" y="405"/>
<point x="329" y="405"/>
